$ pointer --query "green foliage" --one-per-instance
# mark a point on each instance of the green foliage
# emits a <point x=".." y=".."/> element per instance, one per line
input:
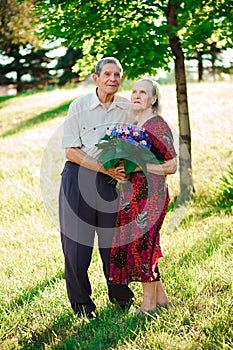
<point x="132" y="154"/>
<point x="208" y="23"/>
<point x="24" y="60"/>
<point x="65" y="63"/>
<point x="30" y="62"/>
<point x="136" y="32"/>
<point x="17" y="24"/>
<point x="224" y="192"/>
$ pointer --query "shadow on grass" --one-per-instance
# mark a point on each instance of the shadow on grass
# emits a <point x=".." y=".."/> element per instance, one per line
<point x="220" y="204"/>
<point x="220" y="199"/>
<point x="206" y="248"/>
<point x="207" y="205"/>
<point x="5" y="98"/>
<point x="30" y="293"/>
<point x="110" y="328"/>
<point x="18" y="95"/>
<point x="40" y="118"/>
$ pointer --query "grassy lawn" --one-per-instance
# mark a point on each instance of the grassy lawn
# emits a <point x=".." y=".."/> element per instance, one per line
<point x="196" y="240"/>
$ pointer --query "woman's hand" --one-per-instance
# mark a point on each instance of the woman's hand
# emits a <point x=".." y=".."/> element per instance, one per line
<point x="137" y="169"/>
<point x="121" y="165"/>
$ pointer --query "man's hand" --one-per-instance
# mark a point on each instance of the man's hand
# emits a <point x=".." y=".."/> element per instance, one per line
<point x="120" y="172"/>
<point x="117" y="173"/>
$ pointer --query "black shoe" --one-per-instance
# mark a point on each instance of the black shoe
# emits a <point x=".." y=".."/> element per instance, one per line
<point x="126" y="307"/>
<point x="90" y="315"/>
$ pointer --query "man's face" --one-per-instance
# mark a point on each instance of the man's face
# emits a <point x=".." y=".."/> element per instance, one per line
<point x="109" y="80"/>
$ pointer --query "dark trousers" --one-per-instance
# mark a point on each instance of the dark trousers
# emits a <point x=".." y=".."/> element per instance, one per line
<point x="88" y="203"/>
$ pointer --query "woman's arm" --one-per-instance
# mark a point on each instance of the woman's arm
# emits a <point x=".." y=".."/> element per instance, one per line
<point x="76" y="155"/>
<point x="167" y="168"/>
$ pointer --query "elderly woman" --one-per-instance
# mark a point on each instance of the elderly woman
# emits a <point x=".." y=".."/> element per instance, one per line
<point x="144" y="202"/>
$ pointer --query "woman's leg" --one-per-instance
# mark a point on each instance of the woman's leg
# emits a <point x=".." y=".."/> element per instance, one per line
<point x="153" y="295"/>
<point x="149" y="297"/>
<point x="161" y="296"/>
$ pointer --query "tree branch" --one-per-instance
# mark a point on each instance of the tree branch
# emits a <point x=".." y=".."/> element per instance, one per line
<point x="162" y="8"/>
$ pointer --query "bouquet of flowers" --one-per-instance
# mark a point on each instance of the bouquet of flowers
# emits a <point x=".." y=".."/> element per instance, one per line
<point x="128" y="144"/>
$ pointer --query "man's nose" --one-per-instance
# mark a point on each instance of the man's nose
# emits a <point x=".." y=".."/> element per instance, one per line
<point x="112" y="76"/>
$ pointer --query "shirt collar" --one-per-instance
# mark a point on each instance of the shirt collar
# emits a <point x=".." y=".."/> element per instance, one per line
<point x="95" y="102"/>
<point x="118" y="102"/>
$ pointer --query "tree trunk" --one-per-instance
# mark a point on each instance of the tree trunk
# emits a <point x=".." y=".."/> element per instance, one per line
<point x="185" y="166"/>
<point x="214" y="50"/>
<point x="200" y="67"/>
<point x="213" y="70"/>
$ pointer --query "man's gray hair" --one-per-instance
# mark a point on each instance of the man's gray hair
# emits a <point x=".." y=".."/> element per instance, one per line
<point x="105" y="60"/>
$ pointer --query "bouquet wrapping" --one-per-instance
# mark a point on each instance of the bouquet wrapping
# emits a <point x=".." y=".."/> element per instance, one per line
<point x="127" y="144"/>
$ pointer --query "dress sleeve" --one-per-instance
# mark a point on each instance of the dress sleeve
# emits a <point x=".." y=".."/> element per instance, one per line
<point x="162" y="139"/>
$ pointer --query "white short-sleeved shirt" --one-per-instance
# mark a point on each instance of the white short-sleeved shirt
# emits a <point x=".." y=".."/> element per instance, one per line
<point x="88" y="121"/>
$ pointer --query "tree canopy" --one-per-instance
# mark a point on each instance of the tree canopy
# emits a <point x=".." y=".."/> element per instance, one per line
<point x="20" y="46"/>
<point x="137" y="31"/>
<point x="27" y="68"/>
<point x="65" y="64"/>
<point x="17" y="24"/>
<point x="145" y="35"/>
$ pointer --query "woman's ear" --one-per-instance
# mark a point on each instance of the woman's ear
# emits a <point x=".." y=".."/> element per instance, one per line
<point x="154" y="99"/>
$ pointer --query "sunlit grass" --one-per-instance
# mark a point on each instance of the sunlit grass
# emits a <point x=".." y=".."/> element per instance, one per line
<point x="197" y="264"/>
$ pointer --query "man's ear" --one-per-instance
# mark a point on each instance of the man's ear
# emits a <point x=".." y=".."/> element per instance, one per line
<point x="94" y="77"/>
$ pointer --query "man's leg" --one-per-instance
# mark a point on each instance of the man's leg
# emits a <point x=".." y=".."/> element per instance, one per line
<point x="77" y="238"/>
<point x="106" y="217"/>
<point x="77" y="261"/>
<point x="120" y="293"/>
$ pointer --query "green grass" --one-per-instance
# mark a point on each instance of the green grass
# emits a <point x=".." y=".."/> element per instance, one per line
<point x="196" y="240"/>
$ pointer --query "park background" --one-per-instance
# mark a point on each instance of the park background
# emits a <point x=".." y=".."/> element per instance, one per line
<point x="197" y="235"/>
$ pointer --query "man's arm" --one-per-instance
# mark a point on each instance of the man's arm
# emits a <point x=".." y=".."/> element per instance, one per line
<point x="76" y="155"/>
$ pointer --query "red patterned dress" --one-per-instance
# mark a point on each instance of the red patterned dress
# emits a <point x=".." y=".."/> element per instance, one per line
<point x="143" y="205"/>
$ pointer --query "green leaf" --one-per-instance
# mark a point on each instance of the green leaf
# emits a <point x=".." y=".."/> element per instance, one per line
<point x="106" y="137"/>
<point x="110" y="163"/>
<point x="129" y="166"/>
<point x="144" y="168"/>
<point x="107" y="155"/>
<point x="114" y="161"/>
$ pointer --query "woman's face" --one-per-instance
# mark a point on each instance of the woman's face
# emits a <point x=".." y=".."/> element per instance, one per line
<point x="141" y="96"/>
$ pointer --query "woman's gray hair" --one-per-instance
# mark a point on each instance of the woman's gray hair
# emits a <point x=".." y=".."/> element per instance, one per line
<point x="156" y="91"/>
<point x="105" y="60"/>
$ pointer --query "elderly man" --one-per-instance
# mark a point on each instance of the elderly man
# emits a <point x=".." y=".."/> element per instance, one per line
<point x="88" y="201"/>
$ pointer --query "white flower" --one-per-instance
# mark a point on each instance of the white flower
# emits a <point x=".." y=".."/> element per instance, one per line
<point x="143" y="142"/>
